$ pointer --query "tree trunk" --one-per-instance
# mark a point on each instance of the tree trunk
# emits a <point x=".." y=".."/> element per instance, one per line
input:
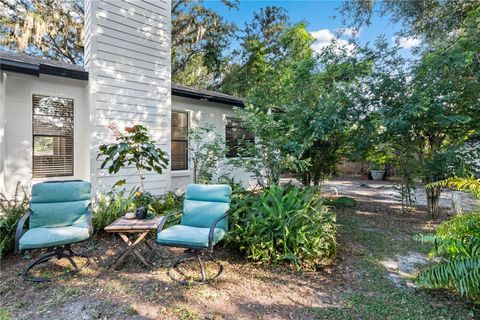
<point x="433" y="198"/>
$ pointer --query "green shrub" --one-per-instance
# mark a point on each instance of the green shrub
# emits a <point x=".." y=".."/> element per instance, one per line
<point x="457" y="242"/>
<point x="111" y="206"/>
<point x="11" y="211"/>
<point x="165" y="204"/>
<point x="341" y="202"/>
<point x="283" y="224"/>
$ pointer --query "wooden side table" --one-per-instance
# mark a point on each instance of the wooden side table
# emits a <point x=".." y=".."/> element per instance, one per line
<point x="126" y="230"/>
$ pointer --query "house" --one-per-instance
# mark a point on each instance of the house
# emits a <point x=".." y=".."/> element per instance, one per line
<point x="53" y="115"/>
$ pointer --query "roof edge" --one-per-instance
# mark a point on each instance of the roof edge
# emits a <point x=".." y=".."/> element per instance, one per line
<point x="213" y="96"/>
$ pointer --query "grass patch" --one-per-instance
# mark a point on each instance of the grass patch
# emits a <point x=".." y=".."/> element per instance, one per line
<point x="5" y="314"/>
<point x="375" y="296"/>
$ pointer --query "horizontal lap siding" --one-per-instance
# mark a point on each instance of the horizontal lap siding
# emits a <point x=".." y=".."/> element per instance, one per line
<point x="128" y="51"/>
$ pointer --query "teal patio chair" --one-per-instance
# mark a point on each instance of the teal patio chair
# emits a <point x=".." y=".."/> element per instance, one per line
<point x="204" y="223"/>
<point x="59" y="215"/>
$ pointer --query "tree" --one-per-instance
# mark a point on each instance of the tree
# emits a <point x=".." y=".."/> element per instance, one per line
<point x="206" y="149"/>
<point x="259" y="47"/>
<point x="45" y="28"/>
<point x="200" y="38"/>
<point x="432" y="20"/>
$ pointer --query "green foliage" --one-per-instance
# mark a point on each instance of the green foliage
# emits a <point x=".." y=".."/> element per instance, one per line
<point x="111" y="206"/>
<point x="283" y="224"/>
<point x="463" y="184"/>
<point x="51" y="29"/>
<point x="134" y="147"/>
<point x="200" y="37"/>
<point x="11" y="211"/>
<point x="341" y="202"/>
<point x="165" y="204"/>
<point x="206" y="149"/>
<point x="457" y="242"/>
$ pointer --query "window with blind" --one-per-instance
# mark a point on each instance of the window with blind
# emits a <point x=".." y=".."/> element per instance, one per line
<point x="179" y="154"/>
<point x="52" y="136"/>
<point x="237" y="137"/>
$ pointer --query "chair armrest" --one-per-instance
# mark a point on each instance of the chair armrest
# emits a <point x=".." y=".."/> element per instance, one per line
<point x="164" y="219"/>
<point x="19" y="232"/>
<point x="89" y="220"/>
<point x="212" y="230"/>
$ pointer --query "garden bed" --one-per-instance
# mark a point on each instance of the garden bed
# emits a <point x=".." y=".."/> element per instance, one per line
<point x="357" y="285"/>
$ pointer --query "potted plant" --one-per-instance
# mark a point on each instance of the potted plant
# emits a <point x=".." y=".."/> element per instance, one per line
<point x="134" y="147"/>
<point x="142" y="201"/>
<point x="377" y="158"/>
<point x="377" y="170"/>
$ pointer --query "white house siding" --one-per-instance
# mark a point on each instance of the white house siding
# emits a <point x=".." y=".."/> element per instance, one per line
<point x="19" y="89"/>
<point x="127" y="54"/>
<point x="202" y="113"/>
<point x="3" y="78"/>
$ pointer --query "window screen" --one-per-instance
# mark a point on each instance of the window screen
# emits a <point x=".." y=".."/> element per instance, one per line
<point x="52" y="137"/>
<point x="236" y="136"/>
<point x="179" y="154"/>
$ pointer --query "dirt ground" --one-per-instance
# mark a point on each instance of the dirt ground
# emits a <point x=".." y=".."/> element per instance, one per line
<point x="370" y="279"/>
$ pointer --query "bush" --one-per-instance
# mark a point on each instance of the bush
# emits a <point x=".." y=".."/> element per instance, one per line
<point x="12" y="211"/>
<point x="457" y="242"/>
<point x="166" y="204"/>
<point x="114" y="204"/>
<point x="111" y="206"/>
<point x="283" y="224"/>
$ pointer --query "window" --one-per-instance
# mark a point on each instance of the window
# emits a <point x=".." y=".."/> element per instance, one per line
<point x="179" y="156"/>
<point x="237" y="137"/>
<point x="52" y="137"/>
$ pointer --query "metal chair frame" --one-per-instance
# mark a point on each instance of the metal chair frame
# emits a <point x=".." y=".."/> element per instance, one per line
<point x="59" y="252"/>
<point x="195" y="253"/>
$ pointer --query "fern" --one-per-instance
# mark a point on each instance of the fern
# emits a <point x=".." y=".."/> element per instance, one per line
<point x="457" y="241"/>
<point x="462" y="274"/>
<point x="462" y="184"/>
<point x="11" y="211"/>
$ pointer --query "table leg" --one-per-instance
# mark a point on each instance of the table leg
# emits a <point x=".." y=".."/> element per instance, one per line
<point x="132" y="247"/>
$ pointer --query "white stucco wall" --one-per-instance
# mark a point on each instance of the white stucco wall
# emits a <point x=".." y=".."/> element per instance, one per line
<point x="19" y="89"/>
<point x="200" y="114"/>
<point x="127" y="55"/>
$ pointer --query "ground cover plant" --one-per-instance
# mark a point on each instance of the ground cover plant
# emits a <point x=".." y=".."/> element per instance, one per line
<point x="11" y="210"/>
<point x="283" y="223"/>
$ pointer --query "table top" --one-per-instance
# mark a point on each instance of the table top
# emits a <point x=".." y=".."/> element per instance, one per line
<point x="133" y="225"/>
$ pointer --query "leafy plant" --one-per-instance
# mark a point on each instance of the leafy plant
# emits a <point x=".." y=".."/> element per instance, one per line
<point x="142" y="199"/>
<point x="206" y="149"/>
<point x="133" y="147"/>
<point x="111" y="206"/>
<point x="167" y="203"/>
<point x="462" y="184"/>
<point x="12" y="209"/>
<point x="457" y="242"/>
<point x="283" y="224"/>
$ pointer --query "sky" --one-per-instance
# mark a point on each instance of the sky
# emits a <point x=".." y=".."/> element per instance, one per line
<point x="322" y="17"/>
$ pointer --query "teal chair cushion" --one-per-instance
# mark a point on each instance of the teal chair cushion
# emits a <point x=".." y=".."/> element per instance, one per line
<point x="59" y="204"/>
<point x="51" y="237"/>
<point x="59" y="191"/>
<point x="205" y="203"/>
<point x="187" y="236"/>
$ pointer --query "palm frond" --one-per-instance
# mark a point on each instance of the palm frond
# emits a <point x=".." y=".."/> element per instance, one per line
<point x="462" y="274"/>
<point x="462" y="184"/>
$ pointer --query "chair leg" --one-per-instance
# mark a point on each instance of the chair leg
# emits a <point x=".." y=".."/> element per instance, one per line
<point x="195" y="255"/>
<point x="59" y="253"/>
